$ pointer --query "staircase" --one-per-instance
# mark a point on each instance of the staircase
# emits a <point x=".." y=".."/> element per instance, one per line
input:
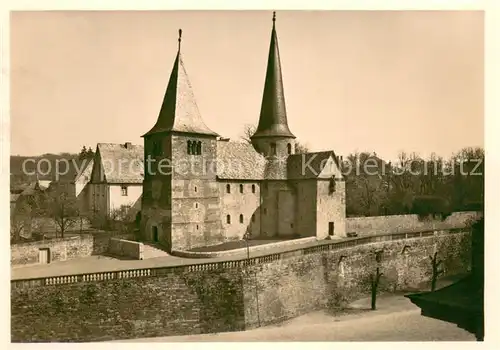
<point x="153" y="251"/>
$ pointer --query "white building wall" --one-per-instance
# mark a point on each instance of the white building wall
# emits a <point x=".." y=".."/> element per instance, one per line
<point x="116" y="199"/>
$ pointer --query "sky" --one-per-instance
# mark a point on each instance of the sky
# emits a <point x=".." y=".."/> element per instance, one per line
<point x="354" y="80"/>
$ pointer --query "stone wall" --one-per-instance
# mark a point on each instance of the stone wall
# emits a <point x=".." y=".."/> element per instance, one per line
<point x="62" y="249"/>
<point x="125" y="248"/>
<point x="322" y="280"/>
<point x="173" y="304"/>
<point x="402" y="223"/>
<point x="224" y="296"/>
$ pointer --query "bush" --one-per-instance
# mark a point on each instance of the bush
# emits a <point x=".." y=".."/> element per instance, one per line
<point x="473" y="206"/>
<point x="425" y="206"/>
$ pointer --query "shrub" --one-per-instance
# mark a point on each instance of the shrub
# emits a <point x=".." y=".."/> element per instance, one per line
<point x="425" y="206"/>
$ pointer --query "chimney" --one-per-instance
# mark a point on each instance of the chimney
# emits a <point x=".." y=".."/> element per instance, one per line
<point x="128" y="145"/>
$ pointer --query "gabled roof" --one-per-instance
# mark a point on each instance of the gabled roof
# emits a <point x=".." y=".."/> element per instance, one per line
<point x="313" y="165"/>
<point x="85" y="172"/>
<point x="121" y="163"/>
<point x="179" y="111"/>
<point x="239" y="161"/>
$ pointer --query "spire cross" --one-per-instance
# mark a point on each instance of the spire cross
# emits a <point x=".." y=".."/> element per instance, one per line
<point x="180" y="37"/>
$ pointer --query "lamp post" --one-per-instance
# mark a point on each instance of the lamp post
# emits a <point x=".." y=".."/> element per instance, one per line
<point x="246" y="237"/>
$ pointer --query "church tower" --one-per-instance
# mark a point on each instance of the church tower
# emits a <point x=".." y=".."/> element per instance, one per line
<point x="272" y="137"/>
<point x="180" y="201"/>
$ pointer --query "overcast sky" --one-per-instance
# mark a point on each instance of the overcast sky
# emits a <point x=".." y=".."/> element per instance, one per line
<point x="375" y="81"/>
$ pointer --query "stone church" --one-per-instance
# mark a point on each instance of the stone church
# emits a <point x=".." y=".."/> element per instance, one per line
<point x="200" y="189"/>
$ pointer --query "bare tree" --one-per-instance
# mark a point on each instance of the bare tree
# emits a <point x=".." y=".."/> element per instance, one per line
<point x="375" y="282"/>
<point x="436" y="271"/>
<point x="249" y="130"/>
<point x="62" y="208"/>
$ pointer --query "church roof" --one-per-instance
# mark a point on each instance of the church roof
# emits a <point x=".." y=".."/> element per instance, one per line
<point x="239" y="161"/>
<point x="179" y="111"/>
<point x="311" y="165"/>
<point x="122" y="163"/>
<point x="273" y="119"/>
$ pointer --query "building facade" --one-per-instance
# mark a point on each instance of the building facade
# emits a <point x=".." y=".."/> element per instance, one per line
<point x="200" y="189"/>
<point x="113" y="179"/>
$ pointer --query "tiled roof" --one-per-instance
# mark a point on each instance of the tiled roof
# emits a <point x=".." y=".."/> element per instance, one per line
<point x="239" y="161"/>
<point x="308" y="165"/>
<point x="179" y="111"/>
<point x="122" y="164"/>
<point x="85" y="171"/>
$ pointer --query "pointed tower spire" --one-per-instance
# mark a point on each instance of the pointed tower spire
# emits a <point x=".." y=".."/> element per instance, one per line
<point x="179" y="111"/>
<point x="273" y="120"/>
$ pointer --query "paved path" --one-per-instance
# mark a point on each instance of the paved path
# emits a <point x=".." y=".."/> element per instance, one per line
<point x="107" y="264"/>
<point x="395" y="320"/>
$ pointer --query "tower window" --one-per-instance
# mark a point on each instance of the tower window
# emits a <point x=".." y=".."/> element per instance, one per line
<point x="189" y="147"/>
<point x="253" y="217"/>
<point x="332" y="186"/>
<point x="241" y="218"/>
<point x="193" y="147"/>
<point x="195" y="189"/>
<point x="228" y="219"/>
<point x="253" y="188"/>
<point x="197" y="227"/>
<point x="156" y="149"/>
<point x="265" y="210"/>
<point x="273" y="149"/>
<point x="228" y="188"/>
<point x="124" y="191"/>
<point x="241" y="188"/>
<point x="196" y="205"/>
<point x="289" y="148"/>
<point x="198" y="147"/>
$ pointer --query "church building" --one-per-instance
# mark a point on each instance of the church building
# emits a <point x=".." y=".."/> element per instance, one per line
<point x="201" y="189"/>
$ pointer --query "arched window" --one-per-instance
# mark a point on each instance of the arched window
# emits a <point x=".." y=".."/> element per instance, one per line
<point x="241" y="188"/>
<point x="228" y="219"/>
<point x="241" y="218"/>
<point x="289" y="148"/>
<point x="198" y="147"/>
<point x="193" y="147"/>
<point x="253" y="188"/>
<point x="228" y="188"/>
<point x="189" y="147"/>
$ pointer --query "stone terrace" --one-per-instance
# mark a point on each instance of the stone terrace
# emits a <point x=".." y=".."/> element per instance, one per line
<point x="101" y="264"/>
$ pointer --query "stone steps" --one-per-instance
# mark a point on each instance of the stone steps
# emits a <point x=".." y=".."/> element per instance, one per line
<point x="152" y="251"/>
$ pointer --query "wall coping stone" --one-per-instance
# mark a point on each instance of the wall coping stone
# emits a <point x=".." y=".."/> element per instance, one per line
<point x="321" y="246"/>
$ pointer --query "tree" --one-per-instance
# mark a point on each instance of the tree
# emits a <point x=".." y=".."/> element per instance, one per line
<point x="62" y="208"/>
<point x="375" y="282"/>
<point x="83" y="153"/>
<point x="249" y="130"/>
<point x="436" y="271"/>
<point x="90" y="153"/>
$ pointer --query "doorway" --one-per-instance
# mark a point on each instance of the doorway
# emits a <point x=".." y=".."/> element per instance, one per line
<point x="331" y="228"/>
<point x="44" y="256"/>
<point x="155" y="234"/>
